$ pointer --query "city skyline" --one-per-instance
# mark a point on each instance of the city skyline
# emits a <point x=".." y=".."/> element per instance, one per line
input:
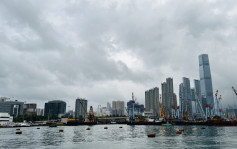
<point x="48" y="53"/>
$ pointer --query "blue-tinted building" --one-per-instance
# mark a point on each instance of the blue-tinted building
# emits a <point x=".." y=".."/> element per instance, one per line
<point x="185" y="97"/>
<point x="55" y="108"/>
<point x="134" y="108"/>
<point x="205" y="81"/>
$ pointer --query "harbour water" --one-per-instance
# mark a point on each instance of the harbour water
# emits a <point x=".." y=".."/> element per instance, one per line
<point x="128" y="137"/>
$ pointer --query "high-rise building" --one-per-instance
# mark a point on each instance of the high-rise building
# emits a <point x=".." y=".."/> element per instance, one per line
<point x="185" y="97"/>
<point x="152" y="101"/>
<point x="55" y="108"/>
<point x="109" y="108"/>
<point x="14" y="108"/>
<point x="168" y="96"/>
<point x="118" y="108"/>
<point x="40" y="112"/>
<point x="81" y="108"/>
<point x="30" y="108"/>
<point x="205" y="81"/>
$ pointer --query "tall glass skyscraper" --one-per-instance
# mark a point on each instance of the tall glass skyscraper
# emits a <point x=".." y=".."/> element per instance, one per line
<point x="205" y="80"/>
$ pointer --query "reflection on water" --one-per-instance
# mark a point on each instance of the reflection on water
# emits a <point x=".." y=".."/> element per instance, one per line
<point x="114" y="137"/>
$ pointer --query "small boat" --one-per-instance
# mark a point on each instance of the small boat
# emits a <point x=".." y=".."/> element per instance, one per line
<point x="53" y="125"/>
<point x="178" y="132"/>
<point x="203" y="128"/>
<point x="166" y="124"/>
<point x="181" y="129"/>
<point x="105" y="127"/>
<point x="88" y="129"/>
<point x="120" y="127"/>
<point x="61" y="130"/>
<point x="19" y="132"/>
<point x="151" y="135"/>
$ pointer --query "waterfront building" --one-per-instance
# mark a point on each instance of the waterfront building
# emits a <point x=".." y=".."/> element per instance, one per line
<point x="152" y="101"/>
<point x="118" y="108"/>
<point x="135" y="108"/>
<point x="39" y="112"/>
<point x="168" y="96"/>
<point x="81" y="108"/>
<point x="14" y="108"/>
<point x="185" y="98"/>
<point x="109" y="108"/>
<point x="5" y="119"/>
<point x="30" y="108"/>
<point x="205" y="81"/>
<point x="55" y="108"/>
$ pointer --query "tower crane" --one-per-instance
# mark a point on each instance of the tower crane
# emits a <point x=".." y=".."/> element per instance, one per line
<point x="234" y="90"/>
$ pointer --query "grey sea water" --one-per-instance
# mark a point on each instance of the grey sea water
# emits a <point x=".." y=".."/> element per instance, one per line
<point x="128" y="137"/>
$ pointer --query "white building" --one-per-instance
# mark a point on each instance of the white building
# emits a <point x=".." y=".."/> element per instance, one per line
<point x="5" y="119"/>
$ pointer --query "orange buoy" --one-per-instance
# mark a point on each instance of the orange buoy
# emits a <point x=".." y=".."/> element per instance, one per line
<point x="152" y="135"/>
<point x="181" y="129"/>
<point x="88" y="129"/>
<point x="18" y="129"/>
<point x="105" y="127"/>
<point x="61" y="130"/>
<point x="178" y="132"/>
<point x="19" y="132"/>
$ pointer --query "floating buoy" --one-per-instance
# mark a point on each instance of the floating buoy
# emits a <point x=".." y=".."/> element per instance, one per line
<point x="105" y="127"/>
<point x="18" y="129"/>
<point x="88" y="129"/>
<point x="38" y="128"/>
<point x="19" y="132"/>
<point x="151" y="135"/>
<point x="203" y="128"/>
<point x="120" y="127"/>
<point x="61" y="130"/>
<point x="178" y="132"/>
<point x="181" y="129"/>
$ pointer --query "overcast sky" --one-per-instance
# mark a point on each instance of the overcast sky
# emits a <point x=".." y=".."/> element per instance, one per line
<point x="105" y="50"/>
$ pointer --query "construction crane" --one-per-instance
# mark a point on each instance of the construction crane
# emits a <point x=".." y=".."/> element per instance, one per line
<point x="91" y="117"/>
<point x="234" y="90"/>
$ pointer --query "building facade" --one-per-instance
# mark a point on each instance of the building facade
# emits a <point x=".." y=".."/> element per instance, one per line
<point x="205" y="81"/>
<point x="185" y="97"/>
<point x="152" y="101"/>
<point x="81" y="108"/>
<point x="168" y="97"/>
<point x="118" y="108"/>
<point x="30" y="108"/>
<point x="55" y="108"/>
<point x="14" y="108"/>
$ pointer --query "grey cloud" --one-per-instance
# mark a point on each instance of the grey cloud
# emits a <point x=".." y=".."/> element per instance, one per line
<point x="60" y="49"/>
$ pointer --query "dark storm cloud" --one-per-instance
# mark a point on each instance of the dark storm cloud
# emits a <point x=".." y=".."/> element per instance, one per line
<point x="105" y="50"/>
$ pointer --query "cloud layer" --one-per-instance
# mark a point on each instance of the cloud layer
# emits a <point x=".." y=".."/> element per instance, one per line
<point x="105" y="50"/>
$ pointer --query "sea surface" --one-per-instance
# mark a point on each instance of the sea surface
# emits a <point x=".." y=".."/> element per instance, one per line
<point x="128" y="137"/>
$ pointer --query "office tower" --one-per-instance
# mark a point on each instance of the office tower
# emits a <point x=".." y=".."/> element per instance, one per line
<point x="14" y="108"/>
<point x="152" y="101"/>
<point x="174" y="101"/>
<point x="39" y="112"/>
<point x="109" y="108"/>
<point x="118" y="108"/>
<point x="187" y="96"/>
<point x="81" y="108"/>
<point x="205" y="81"/>
<point x="30" y="108"/>
<point x="55" y="108"/>
<point x="147" y="101"/>
<point x="167" y="96"/>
